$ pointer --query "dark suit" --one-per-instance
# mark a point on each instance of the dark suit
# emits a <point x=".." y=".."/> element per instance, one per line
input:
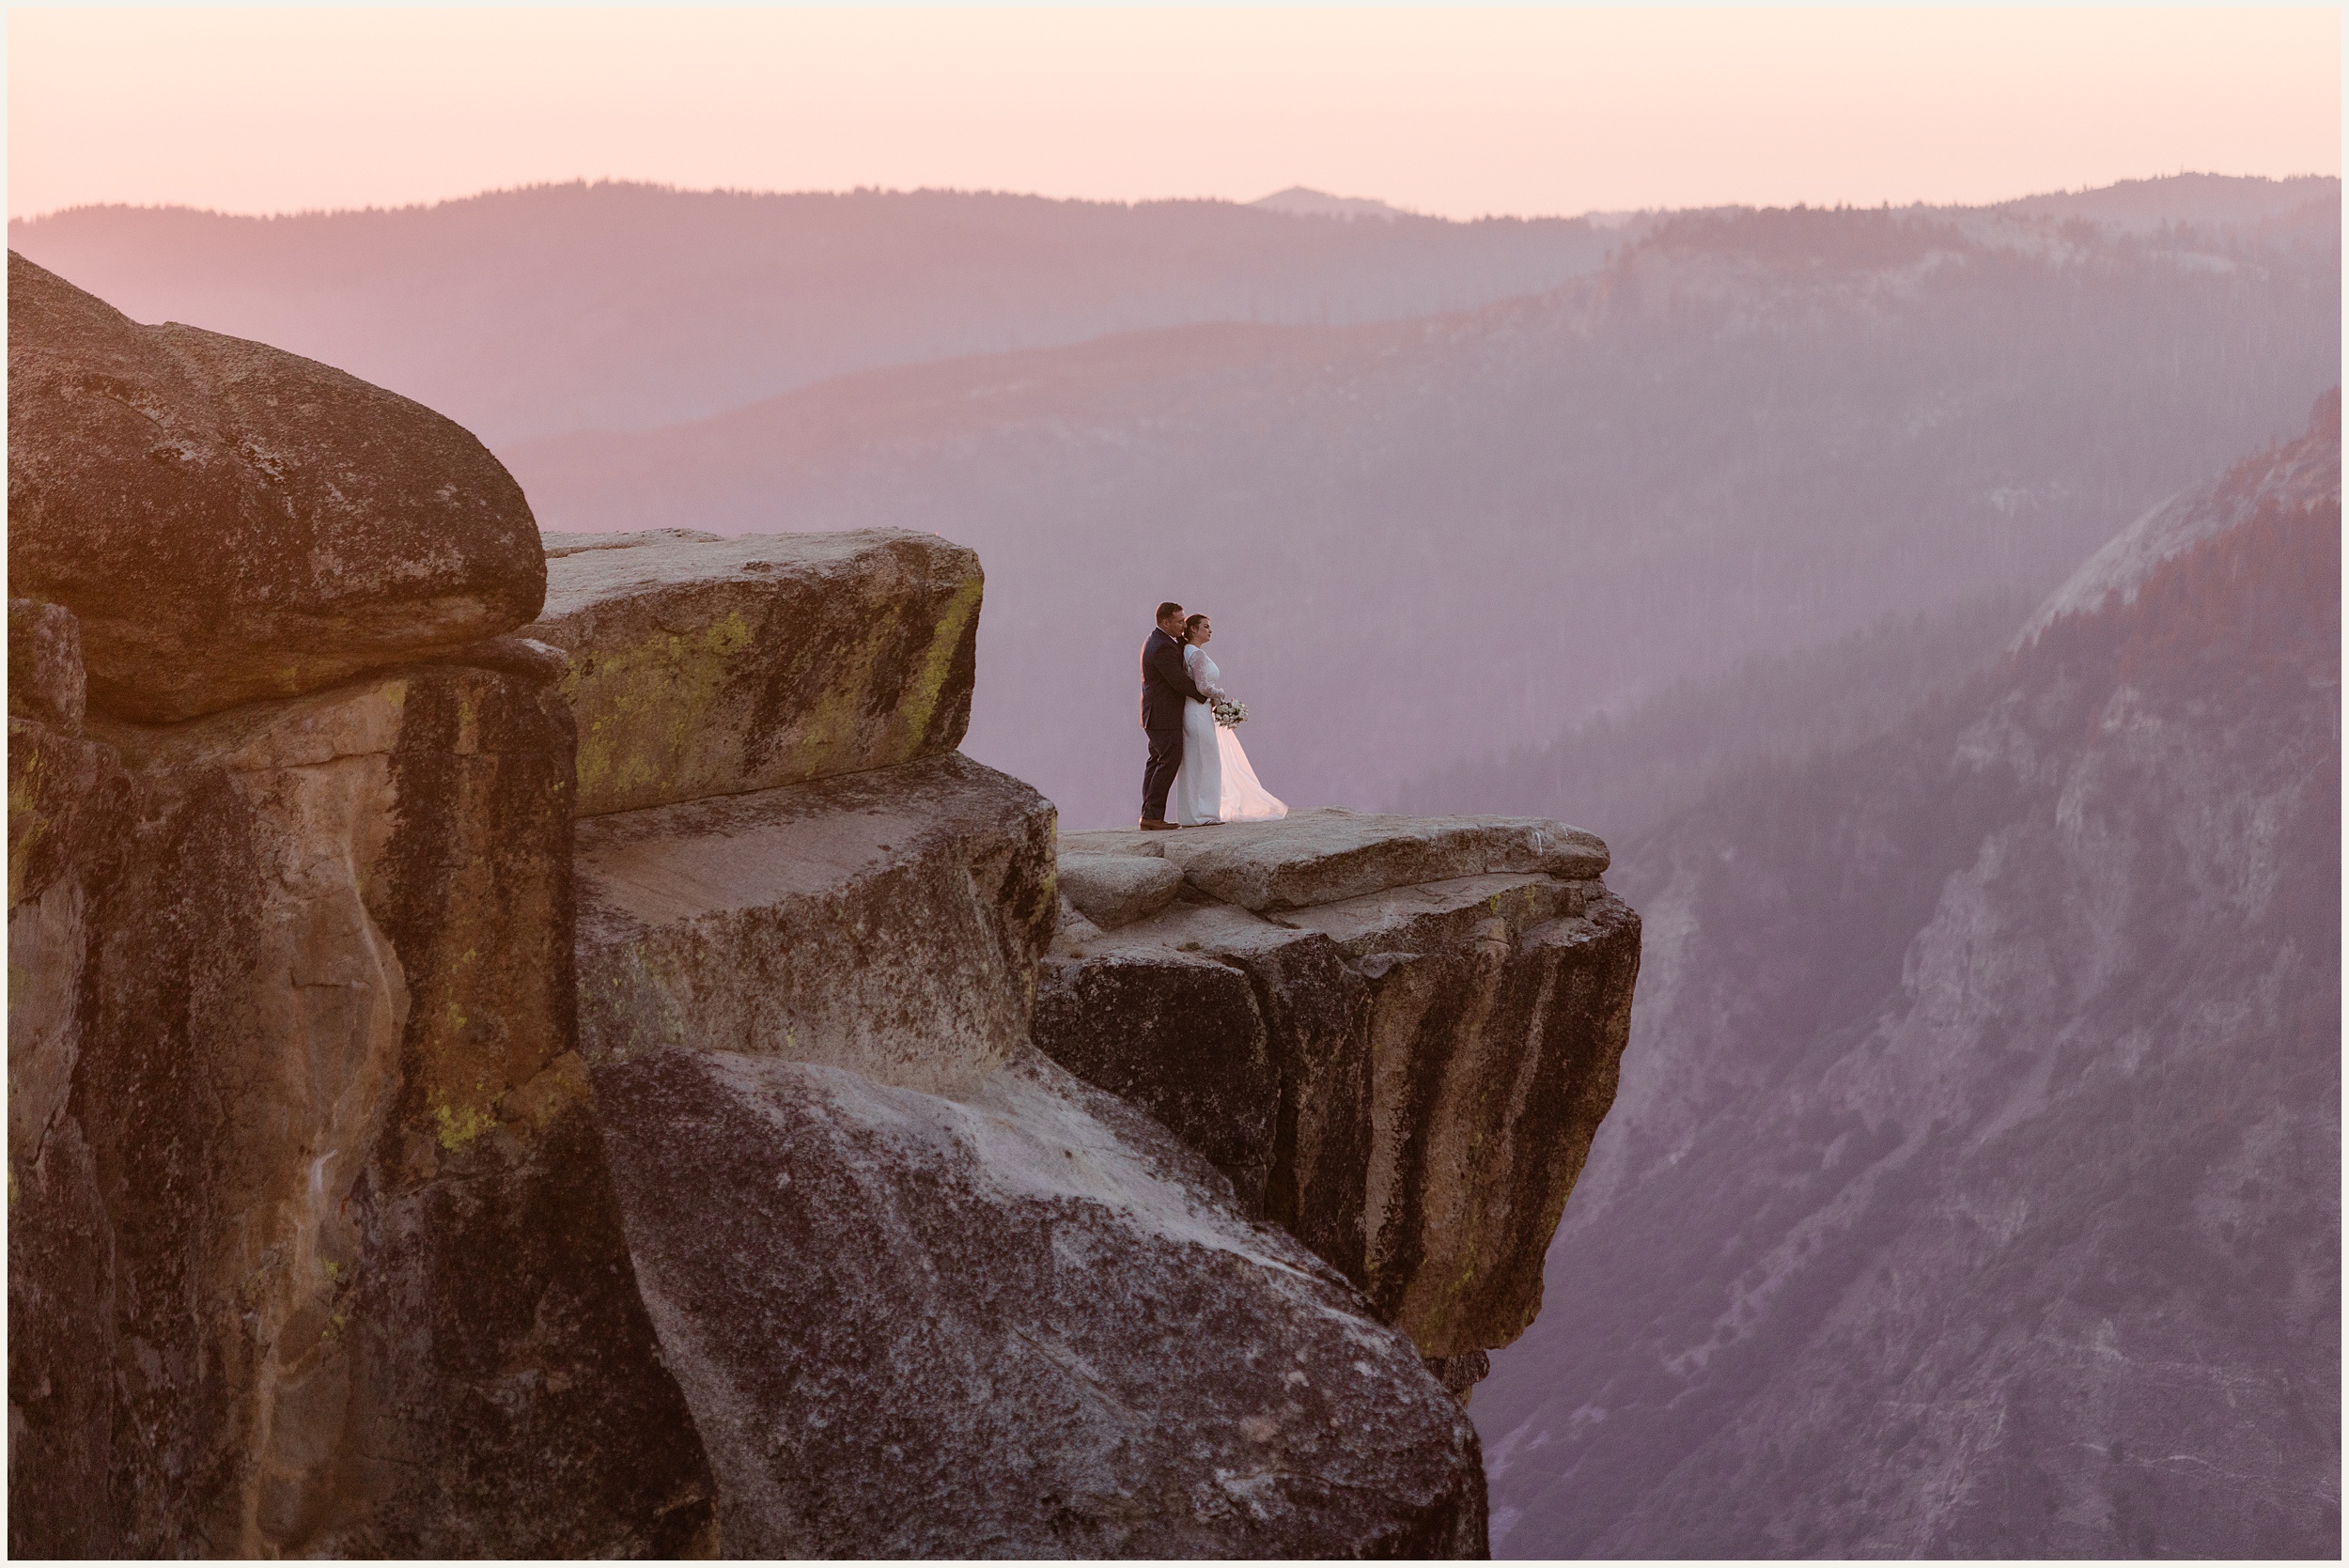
<point x="1165" y="687"/>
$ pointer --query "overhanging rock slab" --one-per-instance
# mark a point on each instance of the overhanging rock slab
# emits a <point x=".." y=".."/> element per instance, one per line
<point x="702" y="666"/>
<point x="1329" y="853"/>
<point x="232" y="522"/>
<point x="887" y="921"/>
<point x="1407" y="1077"/>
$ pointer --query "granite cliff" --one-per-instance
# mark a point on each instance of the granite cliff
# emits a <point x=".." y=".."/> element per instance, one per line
<point x="553" y="1050"/>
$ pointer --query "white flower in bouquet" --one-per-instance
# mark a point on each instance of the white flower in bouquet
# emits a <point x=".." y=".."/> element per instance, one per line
<point x="1228" y="711"/>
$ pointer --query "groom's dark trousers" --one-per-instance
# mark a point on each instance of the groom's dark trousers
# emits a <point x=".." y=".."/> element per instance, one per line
<point x="1165" y="687"/>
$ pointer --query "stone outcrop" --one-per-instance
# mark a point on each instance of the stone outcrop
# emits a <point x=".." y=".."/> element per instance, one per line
<point x="887" y="921"/>
<point x="312" y="1245"/>
<point x="1396" y="1036"/>
<point x="1019" y="1320"/>
<point x="1111" y="891"/>
<point x="571" y="1089"/>
<point x="927" y="1293"/>
<point x="231" y="522"/>
<point x="704" y="666"/>
<point x="1330" y="853"/>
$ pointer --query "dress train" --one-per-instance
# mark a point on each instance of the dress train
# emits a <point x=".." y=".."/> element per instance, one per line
<point x="1214" y="784"/>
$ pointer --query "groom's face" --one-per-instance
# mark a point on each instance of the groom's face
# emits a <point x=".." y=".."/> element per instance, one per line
<point x="1171" y="625"/>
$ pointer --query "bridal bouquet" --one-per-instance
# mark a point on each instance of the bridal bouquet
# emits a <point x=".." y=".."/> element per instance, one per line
<point x="1228" y="711"/>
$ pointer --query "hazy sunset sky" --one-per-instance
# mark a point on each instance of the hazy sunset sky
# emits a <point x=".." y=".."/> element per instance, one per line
<point x="1454" y="112"/>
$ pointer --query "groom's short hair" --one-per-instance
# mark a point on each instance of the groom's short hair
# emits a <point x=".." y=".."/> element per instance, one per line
<point x="1169" y="608"/>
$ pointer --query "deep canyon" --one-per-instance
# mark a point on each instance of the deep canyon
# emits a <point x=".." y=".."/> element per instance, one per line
<point x="1925" y="618"/>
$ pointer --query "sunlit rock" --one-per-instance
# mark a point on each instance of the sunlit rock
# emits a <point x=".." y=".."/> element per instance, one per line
<point x="926" y="1293"/>
<point x="232" y="522"/>
<point x="1329" y="853"/>
<point x="705" y="666"/>
<point x="887" y="921"/>
<point x="1111" y="891"/>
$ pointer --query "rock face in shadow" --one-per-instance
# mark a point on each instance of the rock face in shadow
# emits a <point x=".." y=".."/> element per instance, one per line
<point x="926" y="1293"/>
<point x="313" y="1242"/>
<point x="1979" y="1196"/>
<point x="1018" y="1321"/>
<point x="313" y="1249"/>
<point x="705" y="666"/>
<point x="231" y="522"/>
<point x="1406" y="1076"/>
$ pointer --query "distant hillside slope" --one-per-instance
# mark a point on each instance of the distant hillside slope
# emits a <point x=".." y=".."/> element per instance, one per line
<point x="1974" y="1185"/>
<point x="1752" y="433"/>
<point x="2184" y="199"/>
<point x="1621" y="773"/>
<point x="614" y="306"/>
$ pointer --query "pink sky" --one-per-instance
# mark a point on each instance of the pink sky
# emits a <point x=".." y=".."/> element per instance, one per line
<point x="1454" y="112"/>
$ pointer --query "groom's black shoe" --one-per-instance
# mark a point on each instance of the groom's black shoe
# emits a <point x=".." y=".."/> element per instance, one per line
<point x="1152" y="825"/>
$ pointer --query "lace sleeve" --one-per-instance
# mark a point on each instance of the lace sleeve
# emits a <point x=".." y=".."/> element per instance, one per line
<point x="1195" y="663"/>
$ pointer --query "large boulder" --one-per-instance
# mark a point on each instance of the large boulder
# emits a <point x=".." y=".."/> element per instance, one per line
<point x="1019" y="1321"/>
<point x="1111" y="891"/>
<point x="312" y="1245"/>
<point x="233" y="522"/>
<point x="888" y="922"/>
<point x="928" y="1294"/>
<point x="1407" y="1074"/>
<point x="705" y="666"/>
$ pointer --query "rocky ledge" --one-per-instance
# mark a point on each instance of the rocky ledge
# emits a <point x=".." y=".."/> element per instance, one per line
<point x="574" y="1089"/>
<point x="1396" y="1036"/>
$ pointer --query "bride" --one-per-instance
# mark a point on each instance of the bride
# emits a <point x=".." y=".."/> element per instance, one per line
<point x="1215" y="783"/>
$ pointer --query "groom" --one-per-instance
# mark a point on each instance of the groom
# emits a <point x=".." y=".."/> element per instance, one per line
<point x="1165" y="686"/>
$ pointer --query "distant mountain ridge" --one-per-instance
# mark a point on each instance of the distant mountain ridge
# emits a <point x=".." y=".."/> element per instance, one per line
<point x="2301" y="476"/>
<point x="1973" y="1190"/>
<point x="1304" y="201"/>
<point x="2184" y="199"/>
<point x="552" y="309"/>
<point x="559" y="309"/>
<point x="1749" y="433"/>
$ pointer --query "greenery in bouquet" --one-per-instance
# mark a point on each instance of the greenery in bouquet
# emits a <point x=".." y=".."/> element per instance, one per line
<point x="1228" y="711"/>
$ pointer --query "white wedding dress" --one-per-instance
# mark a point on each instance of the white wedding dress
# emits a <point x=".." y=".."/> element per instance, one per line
<point x="1215" y="783"/>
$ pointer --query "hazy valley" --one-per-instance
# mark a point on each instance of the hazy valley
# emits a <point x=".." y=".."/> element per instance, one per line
<point x="1971" y="1189"/>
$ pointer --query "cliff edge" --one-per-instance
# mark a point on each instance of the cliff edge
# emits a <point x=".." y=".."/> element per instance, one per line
<point x="625" y="1084"/>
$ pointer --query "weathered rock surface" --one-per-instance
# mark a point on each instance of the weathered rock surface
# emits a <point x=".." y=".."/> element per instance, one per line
<point x="887" y="921"/>
<point x="312" y="1249"/>
<point x="1329" y="853"/>
<point x="45" y="675"/>
<point x="926" y="1293"/>
<point x="706" y="667"/>
<point x="1022" y="1322"/>
<point x="558" y="545"/>
<point x="1407" y="1076"/>
<point x="339" y="1002"/>
<point x="1111" y="891"/>
<point x="231" y="522"/>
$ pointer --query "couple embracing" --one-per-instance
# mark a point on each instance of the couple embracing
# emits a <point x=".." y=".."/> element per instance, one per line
<point x="1197" y="775"/>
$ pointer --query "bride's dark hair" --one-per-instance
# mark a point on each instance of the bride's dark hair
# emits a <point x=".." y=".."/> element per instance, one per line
<point x="1191" y="624"/>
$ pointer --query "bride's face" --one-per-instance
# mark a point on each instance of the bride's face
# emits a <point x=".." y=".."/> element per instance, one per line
<point x="1199" y="638"/>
